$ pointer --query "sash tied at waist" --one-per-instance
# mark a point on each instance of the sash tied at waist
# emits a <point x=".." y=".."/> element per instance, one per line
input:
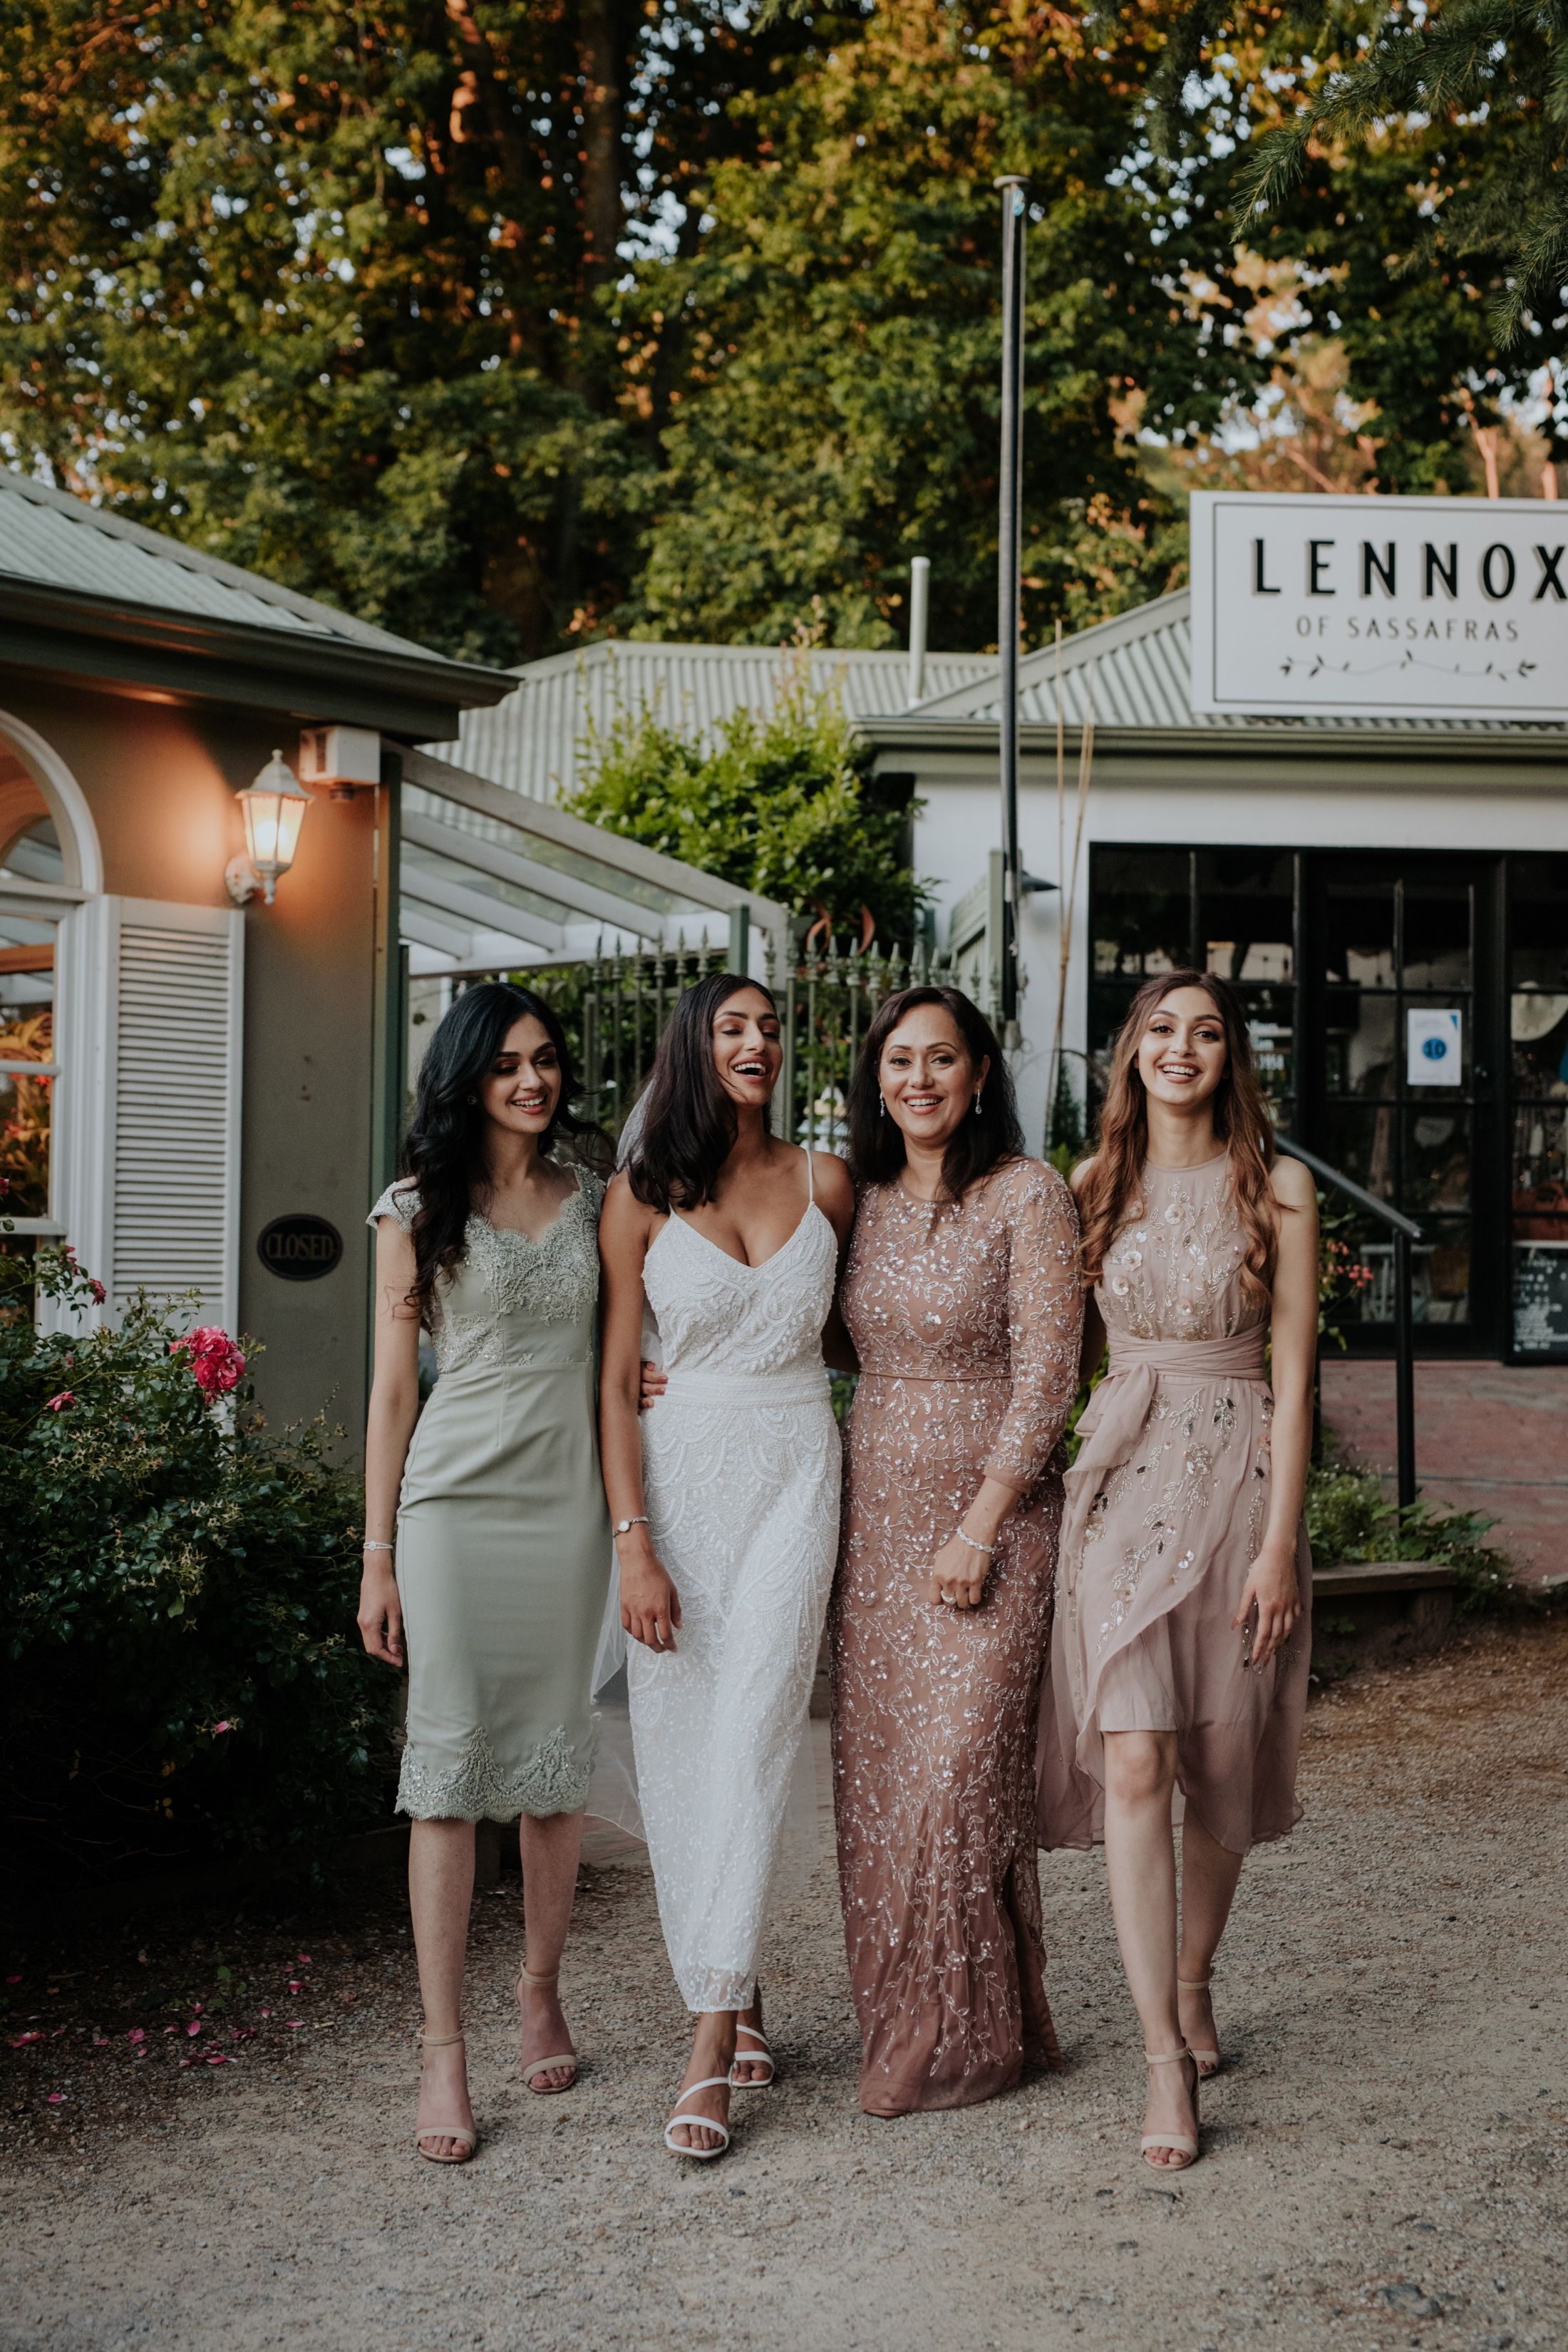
<point x="1114" y="1417"/>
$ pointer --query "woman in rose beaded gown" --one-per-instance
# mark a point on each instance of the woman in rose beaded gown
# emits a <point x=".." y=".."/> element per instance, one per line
<point x="1179" y="1668"/>
<point x="962" y="1299"/>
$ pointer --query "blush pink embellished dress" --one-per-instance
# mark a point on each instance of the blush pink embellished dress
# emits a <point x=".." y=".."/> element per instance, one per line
<point x="966" y="1319"/>
<point x="1166" y="1507"/>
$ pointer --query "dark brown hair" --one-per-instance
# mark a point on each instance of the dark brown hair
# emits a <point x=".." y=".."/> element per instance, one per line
<point x="445" y="1149"/>
<point x="1111" y="1186"/>
<point x="689" y="1125"/>
<point x="977" y="1144"/>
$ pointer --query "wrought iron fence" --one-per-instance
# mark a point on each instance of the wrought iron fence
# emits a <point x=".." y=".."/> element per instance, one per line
<point x="613" y="1010"/>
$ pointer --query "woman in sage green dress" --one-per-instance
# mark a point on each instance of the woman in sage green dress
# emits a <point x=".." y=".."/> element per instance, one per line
<point x="486" y="1543"/>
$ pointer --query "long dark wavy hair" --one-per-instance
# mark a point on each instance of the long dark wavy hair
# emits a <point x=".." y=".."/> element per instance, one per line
<point x="444" y="1150"/>
<point x="1108" y="1193"/>
<point x="689" y="1125"/>
<point x="977" y="1144"/>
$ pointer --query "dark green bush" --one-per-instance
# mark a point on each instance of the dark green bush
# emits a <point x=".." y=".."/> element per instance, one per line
<point x="1347" y="1520"/>
<point x="180" y="1677"/>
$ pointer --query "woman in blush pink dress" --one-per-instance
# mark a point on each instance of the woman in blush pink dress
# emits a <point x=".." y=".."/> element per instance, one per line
<point x="962" y="1299"/>
<point x="1179" y="1667"/>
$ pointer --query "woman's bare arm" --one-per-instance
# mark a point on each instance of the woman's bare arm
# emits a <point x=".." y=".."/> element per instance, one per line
<point x="836" y="1197"/>
<point x="1272" y="1588"/>
<point x="650" y="1606"/>
<point x="393" y="1410"/>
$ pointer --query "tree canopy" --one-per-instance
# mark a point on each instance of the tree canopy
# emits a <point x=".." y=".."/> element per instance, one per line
<point x="1401" y="166"/>
<point x="780" y="804"/>
<point x="511" y="323"/>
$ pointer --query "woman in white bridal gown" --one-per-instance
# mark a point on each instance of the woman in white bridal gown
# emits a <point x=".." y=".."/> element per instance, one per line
<point x="725" y="1500"/>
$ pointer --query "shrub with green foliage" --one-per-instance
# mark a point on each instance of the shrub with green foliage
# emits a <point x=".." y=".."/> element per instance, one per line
<point x="180" y="1677"/>
<point x="781" y="804"/>
<point x="1347" y="1520"/>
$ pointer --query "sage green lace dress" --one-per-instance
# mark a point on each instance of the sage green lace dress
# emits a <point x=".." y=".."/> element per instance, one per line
<point x="503" y="1541"/>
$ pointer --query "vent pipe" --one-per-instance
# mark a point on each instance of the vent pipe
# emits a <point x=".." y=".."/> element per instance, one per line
<point x="919" y="612"/>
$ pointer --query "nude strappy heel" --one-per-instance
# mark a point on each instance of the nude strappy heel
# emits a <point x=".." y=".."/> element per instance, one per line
<point x="444" y="2131"/>
<point x="1209" y="2061"/>
<point x="706" y="2123"/>
<point x="543" y="2065"/>
<point x="762" y="2057"/>
<point x="1179" y="2141"/>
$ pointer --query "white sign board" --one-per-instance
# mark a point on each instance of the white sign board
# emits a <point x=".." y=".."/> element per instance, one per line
<point x="1415" y="608"/>
<point x="1432" y="1048"/>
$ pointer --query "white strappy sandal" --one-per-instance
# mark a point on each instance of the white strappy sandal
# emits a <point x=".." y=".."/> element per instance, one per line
<point x="444" y="2131"/>
<point x="698" y="2154"/>
<point x="1177" y="2141"/>
<point x="762" y="2057"/>
<point x="1209" y="2061"/>
<point x="544" y="2066"/>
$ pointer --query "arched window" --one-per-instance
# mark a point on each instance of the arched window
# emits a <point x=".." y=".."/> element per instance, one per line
<point x="32" y="902"/>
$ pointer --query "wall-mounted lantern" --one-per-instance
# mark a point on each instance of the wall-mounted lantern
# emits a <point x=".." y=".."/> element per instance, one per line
<point x="274" y="807"/>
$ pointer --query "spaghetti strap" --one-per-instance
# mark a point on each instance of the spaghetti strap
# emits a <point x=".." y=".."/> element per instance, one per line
<point x="810" y="1180"/>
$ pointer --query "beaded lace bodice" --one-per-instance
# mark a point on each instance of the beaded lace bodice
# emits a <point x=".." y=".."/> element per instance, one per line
<point x="1173" y="1271"/>
<point x="716" y="1315"/>
<point x="507" y="1282"/>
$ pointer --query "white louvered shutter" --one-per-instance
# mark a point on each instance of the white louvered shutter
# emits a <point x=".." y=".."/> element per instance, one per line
<point x="176" y="1002"/>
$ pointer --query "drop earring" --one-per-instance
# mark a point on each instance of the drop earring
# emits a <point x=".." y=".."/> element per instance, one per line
<point x="882" y="1106"/>
<point x="977" y="1102"/>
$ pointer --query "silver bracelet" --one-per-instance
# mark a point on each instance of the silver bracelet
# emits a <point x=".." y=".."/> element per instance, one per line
<point x="623" y="1527"/>
<point x="989" y="1550"/>
<point x="370" y="1544"/>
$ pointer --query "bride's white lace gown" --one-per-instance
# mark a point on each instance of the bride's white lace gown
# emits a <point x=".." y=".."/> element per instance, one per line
<point x="741" y="1477"/>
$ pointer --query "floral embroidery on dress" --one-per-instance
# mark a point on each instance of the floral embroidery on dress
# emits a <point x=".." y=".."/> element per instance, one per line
<point x="554" y="1780"/>
<point x="556" y="1277"/>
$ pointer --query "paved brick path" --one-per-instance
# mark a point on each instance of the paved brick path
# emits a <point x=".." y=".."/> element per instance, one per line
<point x="1488" y="1437"/>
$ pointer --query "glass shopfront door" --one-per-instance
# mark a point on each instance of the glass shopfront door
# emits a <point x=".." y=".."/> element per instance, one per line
<point x="1401" y="1078"/>
<point x="1373" y="987"/>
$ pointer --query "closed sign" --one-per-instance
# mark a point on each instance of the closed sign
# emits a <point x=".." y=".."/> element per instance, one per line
<point x="300" y="1248"/>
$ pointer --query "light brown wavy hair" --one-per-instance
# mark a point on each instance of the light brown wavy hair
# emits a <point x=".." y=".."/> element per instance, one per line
<point x="1110" y="1191"/>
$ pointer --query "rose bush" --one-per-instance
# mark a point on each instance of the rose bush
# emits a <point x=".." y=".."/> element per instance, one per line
<point x="180" y="1677"/>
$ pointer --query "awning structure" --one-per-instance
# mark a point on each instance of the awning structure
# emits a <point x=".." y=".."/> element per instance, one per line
<point x="495" y="882"/>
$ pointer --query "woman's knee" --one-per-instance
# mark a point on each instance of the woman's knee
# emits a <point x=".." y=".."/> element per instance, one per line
<point x="1140" y="1766"/>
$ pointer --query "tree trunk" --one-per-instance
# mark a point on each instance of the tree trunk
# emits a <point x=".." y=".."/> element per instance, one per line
<point x="603" y="122"/>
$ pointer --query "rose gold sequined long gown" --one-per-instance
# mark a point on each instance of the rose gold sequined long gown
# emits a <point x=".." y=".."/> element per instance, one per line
<point x="966" y="1319"/>
<point x="1166" y="1507"/>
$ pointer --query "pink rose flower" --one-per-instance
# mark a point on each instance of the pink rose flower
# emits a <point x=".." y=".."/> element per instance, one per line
<point x="217" y="1364"/>
<point x="98" y="1290"/>
<point x="58" y="1403"/>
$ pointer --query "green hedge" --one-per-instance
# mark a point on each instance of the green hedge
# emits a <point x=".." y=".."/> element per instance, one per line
<point x="180" y="1675"/>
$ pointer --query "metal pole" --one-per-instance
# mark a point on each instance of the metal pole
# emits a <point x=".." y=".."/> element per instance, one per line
<point x="1405" y="1369"/>
<point x="1008" y="564"/>
<point x="920" y="619"/>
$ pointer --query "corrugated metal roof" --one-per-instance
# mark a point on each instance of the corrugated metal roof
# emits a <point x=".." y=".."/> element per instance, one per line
<point x="532" y="743"/>
<point x="1136" y="669"/>
<point x="56" y="541"/>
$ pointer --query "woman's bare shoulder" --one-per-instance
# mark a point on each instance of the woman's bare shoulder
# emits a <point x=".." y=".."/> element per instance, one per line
<point x="1080" y="1174"/>
<point x="1292" y="1183"/>
<point x="831" y="1181"/>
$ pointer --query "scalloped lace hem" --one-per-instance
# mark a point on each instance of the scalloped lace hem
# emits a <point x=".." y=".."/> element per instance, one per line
<point x="554" y="1780"/>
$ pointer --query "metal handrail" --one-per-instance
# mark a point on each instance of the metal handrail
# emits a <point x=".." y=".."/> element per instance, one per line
<point x="1405" y="1231"/>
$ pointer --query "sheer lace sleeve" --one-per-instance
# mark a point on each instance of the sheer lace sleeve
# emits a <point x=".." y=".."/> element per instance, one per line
<point x="400" y="1201"/>
<point x="1044" y="1322"/>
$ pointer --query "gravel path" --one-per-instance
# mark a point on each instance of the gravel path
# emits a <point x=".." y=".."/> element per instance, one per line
<point x="1384" y="2165"/>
